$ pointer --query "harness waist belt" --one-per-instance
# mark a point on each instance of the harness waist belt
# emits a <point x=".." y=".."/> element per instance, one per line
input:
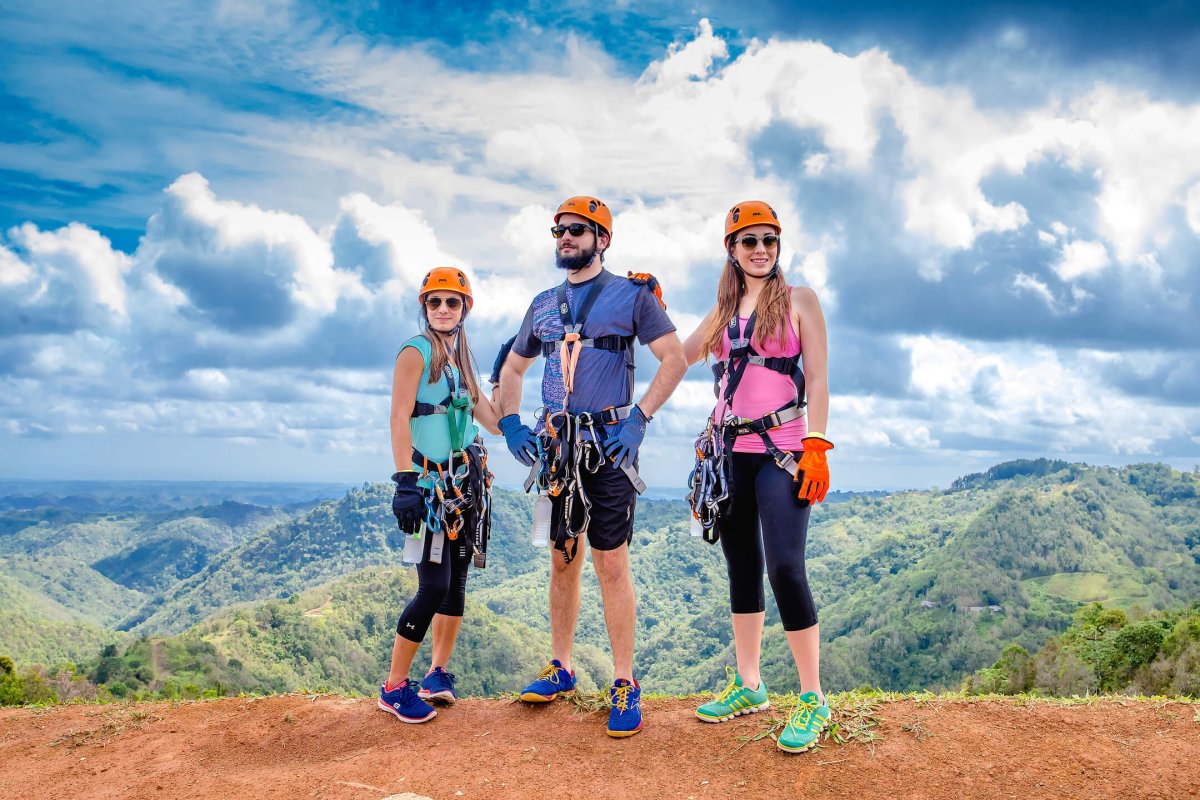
<point x="739" y="426"/>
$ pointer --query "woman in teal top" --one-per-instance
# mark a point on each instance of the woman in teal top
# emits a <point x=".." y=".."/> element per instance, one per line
<point x="441" y="486"/>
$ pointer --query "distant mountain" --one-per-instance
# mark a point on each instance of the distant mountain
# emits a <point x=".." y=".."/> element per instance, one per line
<point x="914" y="589"/>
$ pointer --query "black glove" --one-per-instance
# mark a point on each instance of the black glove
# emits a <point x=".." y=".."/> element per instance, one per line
<point x="503" y="354"/>
<point x="407" y="502"/>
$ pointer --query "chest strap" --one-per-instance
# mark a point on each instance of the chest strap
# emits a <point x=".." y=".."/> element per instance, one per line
<point x="572" y="342"/>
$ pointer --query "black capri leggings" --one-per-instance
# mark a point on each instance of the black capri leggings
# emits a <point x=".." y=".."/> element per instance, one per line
<point x="441" y="588"/>
<point x="765" y="499"/>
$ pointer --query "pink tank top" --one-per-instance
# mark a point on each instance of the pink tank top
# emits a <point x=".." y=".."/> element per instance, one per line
<point x="762" y="391"/>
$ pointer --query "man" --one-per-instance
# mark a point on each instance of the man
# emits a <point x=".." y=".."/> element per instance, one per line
<point x="586" y="447"/>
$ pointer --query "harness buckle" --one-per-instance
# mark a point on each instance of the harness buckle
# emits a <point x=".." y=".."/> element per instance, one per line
<point x="787" y="463"/>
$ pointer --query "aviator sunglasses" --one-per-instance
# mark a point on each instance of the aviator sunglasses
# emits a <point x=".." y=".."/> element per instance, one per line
<point x="433" y="303"/>
<point x="576" y="229"/>
<point x="750" y="241"/>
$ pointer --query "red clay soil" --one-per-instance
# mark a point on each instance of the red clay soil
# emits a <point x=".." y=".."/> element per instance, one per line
<point x="334" y="747"/>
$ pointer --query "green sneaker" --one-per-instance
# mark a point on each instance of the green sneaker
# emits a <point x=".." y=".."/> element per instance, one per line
<point x="804" y="728"/>
<point x="734" y="699"/>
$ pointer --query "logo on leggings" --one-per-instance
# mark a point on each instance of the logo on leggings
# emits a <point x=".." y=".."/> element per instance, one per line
<point x="410" y="626"/>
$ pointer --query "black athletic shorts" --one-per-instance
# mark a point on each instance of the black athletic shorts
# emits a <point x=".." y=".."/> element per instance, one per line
<point x="613" y="499"/>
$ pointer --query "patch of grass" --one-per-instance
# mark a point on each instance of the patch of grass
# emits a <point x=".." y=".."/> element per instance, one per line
<point x="853" y="718"/>
<point x="917" y="728"/>
<point x="588" y="702"/>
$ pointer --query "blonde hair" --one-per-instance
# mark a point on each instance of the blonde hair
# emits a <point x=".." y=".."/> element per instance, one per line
<point x="463" y="358"/>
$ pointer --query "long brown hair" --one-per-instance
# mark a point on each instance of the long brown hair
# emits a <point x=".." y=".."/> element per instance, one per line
<point x="463" y="358"/>
<point x="773" y="308"/>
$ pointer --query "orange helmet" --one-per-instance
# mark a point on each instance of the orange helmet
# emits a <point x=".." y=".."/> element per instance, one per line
<point x="588" y="208"/>
<point x="446" y="279"/>
<point x="750" y="212"/>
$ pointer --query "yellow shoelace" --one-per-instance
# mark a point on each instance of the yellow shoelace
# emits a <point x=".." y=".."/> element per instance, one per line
<point x="803" y="715"/>
<point x="729" y="690"/>
<point x="622" y="692"/>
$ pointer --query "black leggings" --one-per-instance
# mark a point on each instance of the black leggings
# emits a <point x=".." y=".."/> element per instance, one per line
<point x="441" y="588"/>
<point x="765" y="497"/>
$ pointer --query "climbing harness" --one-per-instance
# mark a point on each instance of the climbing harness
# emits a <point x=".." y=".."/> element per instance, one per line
<point x="456" y="491"/>
<point x="711" y="481"/>
<point x="571" y="445"/>
<point x="571" y="343"/>
<point x="459" y="485"/>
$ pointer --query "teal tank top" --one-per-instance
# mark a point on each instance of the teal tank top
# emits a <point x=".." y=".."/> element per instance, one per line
<point x="431" y="434"/>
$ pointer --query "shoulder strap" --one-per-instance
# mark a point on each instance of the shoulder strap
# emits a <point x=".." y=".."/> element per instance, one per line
<point x="564" y="308"/>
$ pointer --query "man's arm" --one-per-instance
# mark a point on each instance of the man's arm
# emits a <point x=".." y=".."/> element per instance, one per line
<point x="671" y="368"/>
<point x="512" y="375"/>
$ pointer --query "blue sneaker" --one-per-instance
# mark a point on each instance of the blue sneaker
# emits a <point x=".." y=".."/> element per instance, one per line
<point x="552" y="681"/>
<point x="625" y="716"/>
<point x="438" y="685"/>
<point x="403" y="703"/>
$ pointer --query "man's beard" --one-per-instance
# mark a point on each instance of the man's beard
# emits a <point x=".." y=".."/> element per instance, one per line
<point x="578" y="261"/>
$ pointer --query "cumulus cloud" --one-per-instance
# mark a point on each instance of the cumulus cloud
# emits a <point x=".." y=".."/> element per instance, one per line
<point x="1081" y="259"/>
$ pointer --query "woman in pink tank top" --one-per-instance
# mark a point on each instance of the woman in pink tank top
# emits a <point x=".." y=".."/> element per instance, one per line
<point x="767" y="342"/>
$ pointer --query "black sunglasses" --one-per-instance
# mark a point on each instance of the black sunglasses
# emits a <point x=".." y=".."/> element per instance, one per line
<point x="452" y="303"/>
<point x="750" y="241"/>
<point x="576" y="229"/>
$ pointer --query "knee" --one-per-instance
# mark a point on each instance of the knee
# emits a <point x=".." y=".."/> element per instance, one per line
<point x="611" y="567"/>
<point x="791" y="576"/>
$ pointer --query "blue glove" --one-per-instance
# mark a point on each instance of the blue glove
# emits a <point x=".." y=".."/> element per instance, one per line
<point x="407" y="502"/>
<point x="623" y="447"/>
<point x="521" y="441"/>
<point x="503" y="354"/>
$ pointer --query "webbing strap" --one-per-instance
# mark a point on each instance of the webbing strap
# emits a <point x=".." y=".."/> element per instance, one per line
<point x="571" y="344"/>
<point x="456" y="406"/>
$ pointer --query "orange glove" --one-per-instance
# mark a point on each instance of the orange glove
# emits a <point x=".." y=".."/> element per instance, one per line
<point x="813" y="475"/>
<point x="646" y="279"/>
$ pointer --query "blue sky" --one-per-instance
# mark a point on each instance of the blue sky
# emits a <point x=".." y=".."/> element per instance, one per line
<point x="213" y="217"/>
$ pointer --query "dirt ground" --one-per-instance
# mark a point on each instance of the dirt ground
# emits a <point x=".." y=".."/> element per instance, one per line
<point x="335" y="747"/>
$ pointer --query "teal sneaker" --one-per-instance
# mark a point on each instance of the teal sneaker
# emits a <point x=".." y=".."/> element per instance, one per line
<point x="804" y="728"/>
<point x="734" y="699"/>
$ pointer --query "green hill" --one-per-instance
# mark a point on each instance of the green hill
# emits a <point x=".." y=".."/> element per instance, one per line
<point x="915" y="589"/>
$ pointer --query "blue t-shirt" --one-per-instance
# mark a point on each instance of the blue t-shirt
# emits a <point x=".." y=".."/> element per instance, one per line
<point x="602" y="377"/>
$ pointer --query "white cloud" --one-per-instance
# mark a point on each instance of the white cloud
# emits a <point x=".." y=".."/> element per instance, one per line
<point x="1038" y="288"/>
<point x="1193" y="208"/>
<point x="12" y="269"/>
<point x="77" y="254"/>
<point x="1081" y="259"/>
<point x="691" y="61"/>
<point x="1034" y="395"/>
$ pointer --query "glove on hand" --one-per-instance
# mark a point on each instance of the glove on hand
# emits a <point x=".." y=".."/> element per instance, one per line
<point x="813" y="475"/>
<point x="646" y="279"/>
<point x="623" y="447"/>
<point x="503" y="354"/>
<point x="519" y="437"/>
<point x="407" y="502"/>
